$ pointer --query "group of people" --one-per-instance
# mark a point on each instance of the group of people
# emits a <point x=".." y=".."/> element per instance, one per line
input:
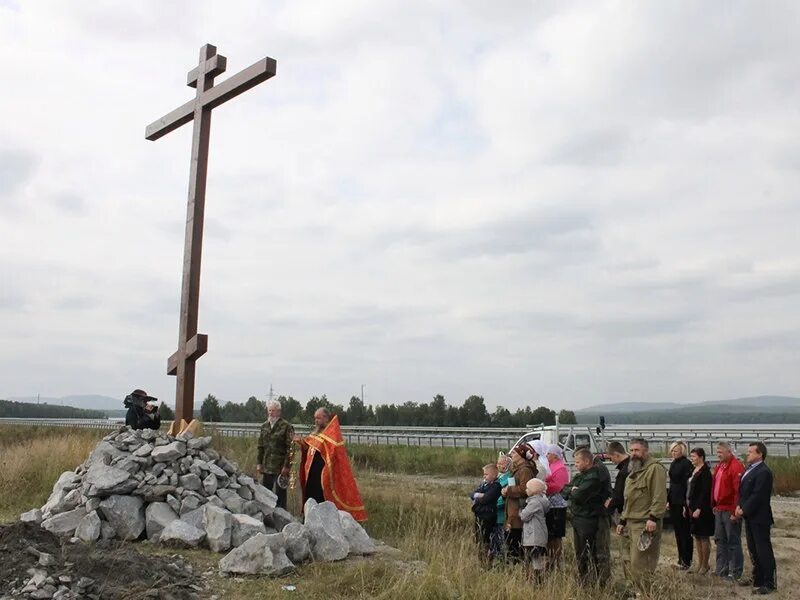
<point x="521" y="509"/>
<point x="705" y="504"/>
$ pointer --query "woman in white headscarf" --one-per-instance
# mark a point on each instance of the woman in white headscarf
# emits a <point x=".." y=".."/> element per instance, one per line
<point x="540" y="448"/>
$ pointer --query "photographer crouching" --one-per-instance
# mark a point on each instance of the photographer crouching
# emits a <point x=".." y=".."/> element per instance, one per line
<point x="142" y="411"/>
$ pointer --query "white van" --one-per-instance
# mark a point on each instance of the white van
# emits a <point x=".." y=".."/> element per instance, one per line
<point x="569" y="437"/>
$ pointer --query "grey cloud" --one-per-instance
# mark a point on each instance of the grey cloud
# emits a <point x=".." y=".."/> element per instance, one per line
<point x="592" y="148"/>
<point x="70" y="203"/>
<point x="16" y="169"/>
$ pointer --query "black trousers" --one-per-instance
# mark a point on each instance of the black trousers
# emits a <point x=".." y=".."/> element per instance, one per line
<point x="270" y="481"/>
<point x="584" y="535"/>
<point x="759" y="545"/>
<point x="683" y="534"/>
<point x="514" y="544"/>
<point x="483" y="533"/>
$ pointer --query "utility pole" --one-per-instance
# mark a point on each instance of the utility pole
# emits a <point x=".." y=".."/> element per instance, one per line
<point x="363" y="385"/>
<point x="271" y="392"/>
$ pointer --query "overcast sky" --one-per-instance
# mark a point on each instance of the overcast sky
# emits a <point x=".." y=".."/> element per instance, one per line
<point x="541" y="203"/>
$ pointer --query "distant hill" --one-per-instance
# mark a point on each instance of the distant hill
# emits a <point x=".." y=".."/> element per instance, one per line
<point x="758" y="409"/>
<point x="86" y="401"/>
<point x="754" y="403"/>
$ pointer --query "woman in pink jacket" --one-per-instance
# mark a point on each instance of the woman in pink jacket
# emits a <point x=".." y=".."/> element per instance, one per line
<point x="556" y="517"/>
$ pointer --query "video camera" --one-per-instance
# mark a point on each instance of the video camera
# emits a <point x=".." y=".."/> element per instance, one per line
<point x="138" y="398"/>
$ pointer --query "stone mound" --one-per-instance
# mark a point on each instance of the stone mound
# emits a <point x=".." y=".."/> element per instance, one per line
<point x="180" y="492"/>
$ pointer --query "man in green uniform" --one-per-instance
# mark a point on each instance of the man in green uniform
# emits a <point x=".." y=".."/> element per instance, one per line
<point x="274" y="452"/>
<point x="643" y="512"/>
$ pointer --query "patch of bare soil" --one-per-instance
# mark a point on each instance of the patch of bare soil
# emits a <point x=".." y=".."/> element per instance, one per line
<point x="35" y="562"/>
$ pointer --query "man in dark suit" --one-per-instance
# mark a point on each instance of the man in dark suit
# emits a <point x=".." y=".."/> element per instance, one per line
<point x="755" y="491"/>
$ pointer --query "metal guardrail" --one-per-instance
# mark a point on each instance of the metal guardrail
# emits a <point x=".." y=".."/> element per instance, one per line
<point x="780" y="439"/>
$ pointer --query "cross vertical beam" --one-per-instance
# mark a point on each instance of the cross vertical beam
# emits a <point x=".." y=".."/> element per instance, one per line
<point x="192" y="345"/>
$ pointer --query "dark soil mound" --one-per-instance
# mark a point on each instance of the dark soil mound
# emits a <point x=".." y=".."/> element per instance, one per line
<point x="116" y="570"/>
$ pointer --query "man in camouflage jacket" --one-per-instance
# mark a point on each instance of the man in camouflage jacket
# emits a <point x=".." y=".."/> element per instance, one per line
<point x="274" y="451"/>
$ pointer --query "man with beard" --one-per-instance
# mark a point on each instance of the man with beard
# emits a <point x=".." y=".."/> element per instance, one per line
<point x="643" y="512"/>
<point x="325" y="472"/>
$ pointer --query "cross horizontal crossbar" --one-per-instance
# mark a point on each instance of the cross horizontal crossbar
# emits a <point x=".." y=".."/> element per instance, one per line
<point x="195" y="348"/>
<point x="219" y="94"/>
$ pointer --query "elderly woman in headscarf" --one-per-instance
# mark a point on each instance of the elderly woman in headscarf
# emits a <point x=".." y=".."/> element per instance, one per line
<point x="522" y="471"/>
<point x="497" y="540"/>
<point x="540" y="448"/>
<point x="556" y="517"/>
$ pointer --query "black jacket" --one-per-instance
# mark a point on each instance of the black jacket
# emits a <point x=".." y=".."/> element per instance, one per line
<point x="486" y="508"/>
<point x="700" y="491"/>
<point x="755" y="490"/>
<point x="137" y="418"/>
<point x="618" y="496"/>
<point x="679" y="472"/>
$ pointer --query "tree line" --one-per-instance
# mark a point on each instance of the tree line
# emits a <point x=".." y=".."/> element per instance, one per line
<point x="29" y="410"/>
<point x="437" y="413"/>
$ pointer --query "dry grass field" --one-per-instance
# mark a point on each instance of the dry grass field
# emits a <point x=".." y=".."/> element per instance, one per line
<point x="424" y="516"/>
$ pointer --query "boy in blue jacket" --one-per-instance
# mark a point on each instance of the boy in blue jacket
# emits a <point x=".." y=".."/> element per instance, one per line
<point x="484" y="506"/>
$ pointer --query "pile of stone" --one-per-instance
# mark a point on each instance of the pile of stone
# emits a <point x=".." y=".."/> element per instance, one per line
<point x="179" y="491"/>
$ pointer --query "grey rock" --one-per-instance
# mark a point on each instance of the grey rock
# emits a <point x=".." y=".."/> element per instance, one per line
<point x="215" y="501"/>
<point x="158" y="469"/>
<point x="243" y="527"/>
<point x="190" y="482"/>
<point x="125" y="514"/>
<point x="61" y="488"/>
<point x="47" y="560"/>
<point x="279" y="518"/>
<point x="194" y="517"/>
<point x="148" y="435"/>
<point x="251" y="508"/>
<point x="218" y="524"/>
<point x="210" y="484"/>
<point x="158" y="493"/>
<point x="103" y="453"/>
<point x="68" y="501"/>
<point x="200" y="443"/>
<point x="174" y="503"/>
<point x="64" y="523"/>
<point x="170" y="452"/>
<point x="144" y="450"/>
<point x="263" y="496"/>
<point x="298" y="542"/>
<point x="91" y="504"/>
<point x="245" y="492"/>
<point x="359" y="540"/>
<point x="107" y="532"/>
<point x="181" y="535"/>
<point x="157" y="516"/>
<point x="217" y="471"/>
<point x="189" y="504"/>
<point x="32" y="516"/>
<point x="104" y="478"/>
<point x="233" y="502"/>
<point x="325" y="527"/>
<point x="260" y="555"/>
<point x="88" y="530"/>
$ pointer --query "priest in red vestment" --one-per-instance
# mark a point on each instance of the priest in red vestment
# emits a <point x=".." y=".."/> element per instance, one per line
<point x="325" y="472"/>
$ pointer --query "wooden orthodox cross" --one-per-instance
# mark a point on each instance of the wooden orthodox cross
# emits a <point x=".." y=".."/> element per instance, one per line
<point x="192" y="345"/>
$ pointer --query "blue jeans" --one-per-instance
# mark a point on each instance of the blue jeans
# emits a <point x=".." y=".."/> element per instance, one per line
<point x="728" y="537"/>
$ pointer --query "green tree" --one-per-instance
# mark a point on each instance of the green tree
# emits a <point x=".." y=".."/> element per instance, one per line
<point x="356" y="413"/>
<point x="543" y="415"/>
<point x="166" y="413"/>
<point x="210" y="411"/>
<point x="291" y="410"/>
<point x="474" y="413"/>
<point x="502" y="417"/>
<point x="438" y="411"/>
<point x="567" y="417"/>
<point x="255" y="409"/>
